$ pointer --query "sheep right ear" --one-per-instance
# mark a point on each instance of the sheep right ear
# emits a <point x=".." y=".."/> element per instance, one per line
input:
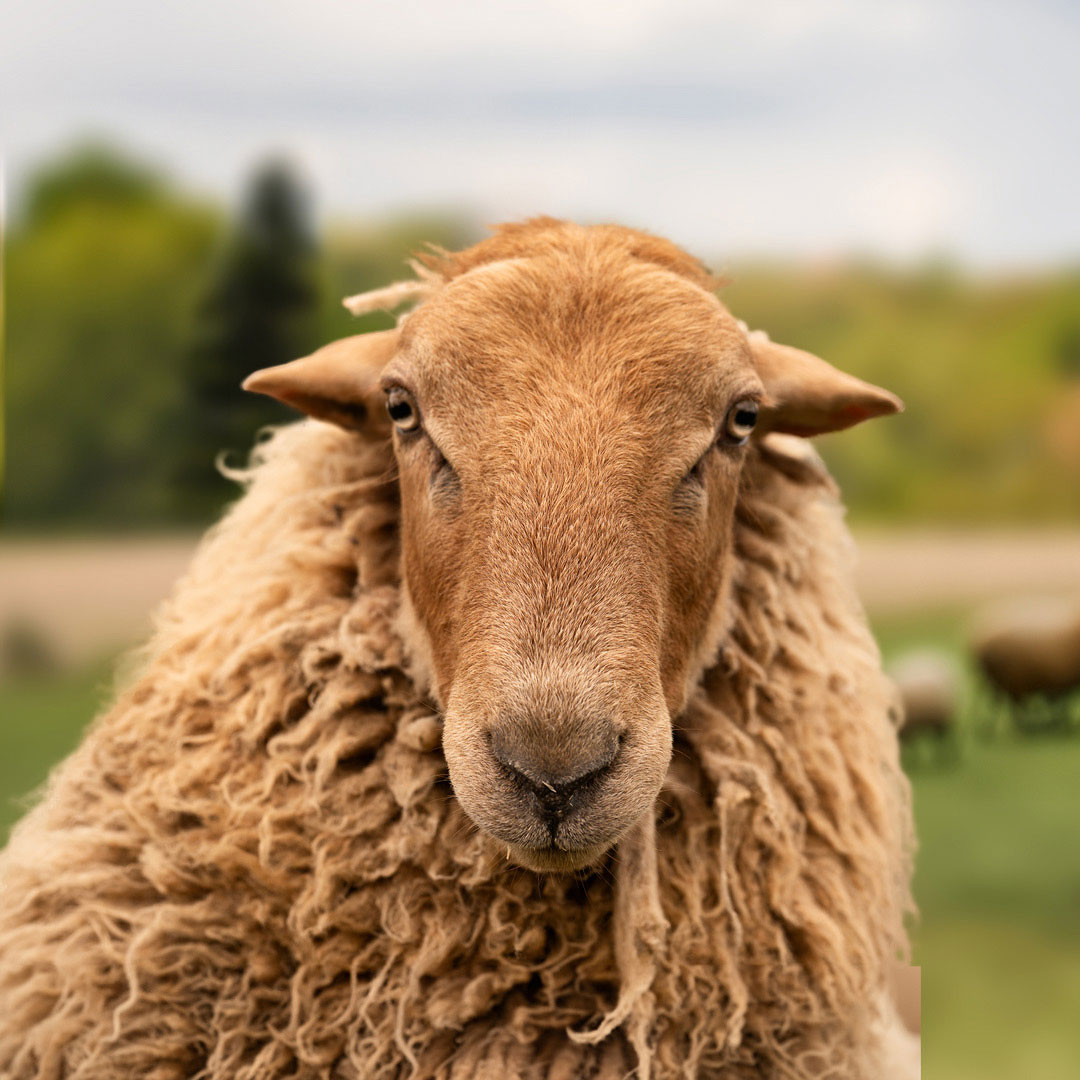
<point x="338" y="383"/>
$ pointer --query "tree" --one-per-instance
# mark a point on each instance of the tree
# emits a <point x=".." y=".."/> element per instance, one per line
<point x="260" y="309"/>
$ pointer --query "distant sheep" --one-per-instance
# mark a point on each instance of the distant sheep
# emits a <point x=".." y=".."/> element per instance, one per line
<point x="1030" y="649"/>
<point x="929" y="689"/>
<point x="579" y="603"/>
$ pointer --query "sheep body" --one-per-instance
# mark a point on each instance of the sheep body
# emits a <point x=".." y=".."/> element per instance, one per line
<point x="1030" y="647"/>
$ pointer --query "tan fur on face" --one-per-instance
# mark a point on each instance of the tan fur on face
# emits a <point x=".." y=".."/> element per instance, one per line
<point x="565" y="560"/>
<point x="564" y="586"/>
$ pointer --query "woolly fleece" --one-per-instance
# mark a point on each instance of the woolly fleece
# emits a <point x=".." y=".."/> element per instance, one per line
<point x="254" y="866"/>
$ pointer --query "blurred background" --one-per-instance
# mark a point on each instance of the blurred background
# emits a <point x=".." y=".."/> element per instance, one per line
<point x="191" y="190"/>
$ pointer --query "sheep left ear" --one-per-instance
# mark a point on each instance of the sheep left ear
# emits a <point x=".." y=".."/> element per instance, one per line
<point x="807" y="396"/>
<point x="338" y="383"/>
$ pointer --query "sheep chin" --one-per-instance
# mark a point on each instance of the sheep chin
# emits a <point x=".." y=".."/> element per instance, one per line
<point x="554" y="860"/>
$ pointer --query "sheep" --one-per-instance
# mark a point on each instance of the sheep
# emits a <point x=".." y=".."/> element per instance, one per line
<point x="928" y="689"/>
<point x="520" y="720"/>
<point x="1030" y="649"/>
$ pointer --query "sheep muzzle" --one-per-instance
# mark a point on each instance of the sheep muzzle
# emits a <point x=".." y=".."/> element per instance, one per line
<point x="557" y="789"/>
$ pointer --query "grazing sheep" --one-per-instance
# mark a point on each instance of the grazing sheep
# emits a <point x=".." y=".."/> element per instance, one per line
<point x="1030" y="649"/>
<point x="929" y="690"/>
<point x="534" y="730"/>
<point x="927" y="700"/>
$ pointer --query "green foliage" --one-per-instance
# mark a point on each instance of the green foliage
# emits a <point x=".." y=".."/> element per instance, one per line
<point x="90" y="175"/>
<point x="100" y="294"/>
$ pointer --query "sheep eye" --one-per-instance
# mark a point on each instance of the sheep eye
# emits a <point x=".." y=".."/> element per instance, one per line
<point x="739" y="422"/>
<point x="401" y="406"/>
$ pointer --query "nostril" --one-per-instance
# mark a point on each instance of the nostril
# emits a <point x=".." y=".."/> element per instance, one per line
<point x="553" y="783"/>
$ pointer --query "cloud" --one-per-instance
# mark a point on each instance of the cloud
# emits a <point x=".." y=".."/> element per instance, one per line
<point x="819" y="125"/>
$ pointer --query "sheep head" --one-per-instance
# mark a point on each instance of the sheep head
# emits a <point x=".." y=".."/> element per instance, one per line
<point x="570" y="410"/>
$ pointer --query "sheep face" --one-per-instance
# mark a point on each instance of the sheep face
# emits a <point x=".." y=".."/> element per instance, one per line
<point x="569" y="457"/>
<point x="569" y="410"/>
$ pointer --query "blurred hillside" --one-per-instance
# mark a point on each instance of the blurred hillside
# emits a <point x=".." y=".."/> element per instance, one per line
<point x="134" y="309"/>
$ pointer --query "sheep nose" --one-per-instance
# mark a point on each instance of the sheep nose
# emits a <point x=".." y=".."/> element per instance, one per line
<point x="553" y="786"/>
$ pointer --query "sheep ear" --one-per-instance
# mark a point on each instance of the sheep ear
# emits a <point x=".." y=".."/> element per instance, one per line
<point x="807" y="396"/>
<point x="338" y="383"/>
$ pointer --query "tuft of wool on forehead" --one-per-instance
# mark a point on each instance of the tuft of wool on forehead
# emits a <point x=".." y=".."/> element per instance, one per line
<point x="534" y="238"/>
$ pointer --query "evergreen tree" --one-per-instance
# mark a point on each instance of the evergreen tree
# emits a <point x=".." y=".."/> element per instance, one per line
<point x="260" y="309"/>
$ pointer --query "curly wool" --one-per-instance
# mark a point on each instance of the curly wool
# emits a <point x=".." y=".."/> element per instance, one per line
<point x="254" y="866"/>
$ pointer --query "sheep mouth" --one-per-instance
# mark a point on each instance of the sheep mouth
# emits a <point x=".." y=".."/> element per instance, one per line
<point x="552" y="859"/>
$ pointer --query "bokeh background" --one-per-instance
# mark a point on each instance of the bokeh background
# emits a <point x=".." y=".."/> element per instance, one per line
<point x="191" y="189"/>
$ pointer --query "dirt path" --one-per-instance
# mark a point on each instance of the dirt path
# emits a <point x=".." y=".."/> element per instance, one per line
<point x="87" y="597"/>
<point x="909" y="571"/>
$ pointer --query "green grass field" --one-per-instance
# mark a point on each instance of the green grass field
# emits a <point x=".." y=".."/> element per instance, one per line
<point x="998" y="886"/>
<point x="41" y="719"/>
<point x="998" y="873"/>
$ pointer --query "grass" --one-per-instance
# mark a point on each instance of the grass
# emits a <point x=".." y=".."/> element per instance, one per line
<point x="997" y="880"/>
<point x="43" y="719"/>
<point x="998" y="885"/>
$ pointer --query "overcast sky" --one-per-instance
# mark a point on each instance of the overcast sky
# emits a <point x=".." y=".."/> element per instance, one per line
<point x="812" y="128"/>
